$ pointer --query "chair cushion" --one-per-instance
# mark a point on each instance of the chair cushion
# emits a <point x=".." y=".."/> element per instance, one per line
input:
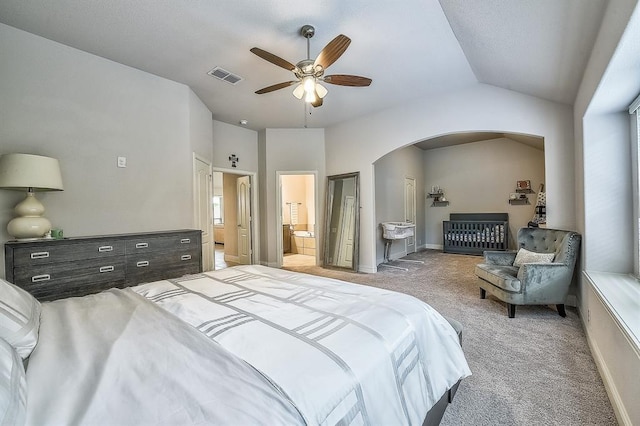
<point x="526" y="256"/>
<point x="501" y="276"/>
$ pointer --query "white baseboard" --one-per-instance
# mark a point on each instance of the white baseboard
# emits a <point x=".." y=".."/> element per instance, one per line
<point x="433" y="246"/>
<point x="367" y="269"/>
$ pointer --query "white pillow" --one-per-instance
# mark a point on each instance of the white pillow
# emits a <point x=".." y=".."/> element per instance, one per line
<point x="526" y="256"/>
<point x="13" y="387"/>
<point x="19" y="318"/>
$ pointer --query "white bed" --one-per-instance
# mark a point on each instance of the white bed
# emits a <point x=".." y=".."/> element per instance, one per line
<point x="244" y="345"/>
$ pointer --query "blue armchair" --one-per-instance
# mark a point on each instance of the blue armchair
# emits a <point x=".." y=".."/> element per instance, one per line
<point x="534" y="283"/>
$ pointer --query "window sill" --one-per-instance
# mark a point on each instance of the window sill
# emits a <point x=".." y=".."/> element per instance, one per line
<point x="620" y="294"/>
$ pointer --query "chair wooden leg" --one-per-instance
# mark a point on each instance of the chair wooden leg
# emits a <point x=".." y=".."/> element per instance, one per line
<point x="483" y="293"/>
<point x="511" y="310"/>
<point x="561" y="311"/>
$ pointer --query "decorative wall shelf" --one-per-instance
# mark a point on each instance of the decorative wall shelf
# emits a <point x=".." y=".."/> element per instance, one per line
<point x="438" y="199"/>
<point x="521" y="195"/>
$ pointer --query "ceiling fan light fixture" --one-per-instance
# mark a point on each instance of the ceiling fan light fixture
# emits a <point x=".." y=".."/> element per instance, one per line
<point x="298" y="92"/>
<point x="310" y="97"/>
<point x="309" y="85"/>
<point x="310" y="72"/>
<point x="321" y="91"/>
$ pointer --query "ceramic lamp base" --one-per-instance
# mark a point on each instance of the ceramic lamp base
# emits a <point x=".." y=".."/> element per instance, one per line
<point x="29" y="224"/>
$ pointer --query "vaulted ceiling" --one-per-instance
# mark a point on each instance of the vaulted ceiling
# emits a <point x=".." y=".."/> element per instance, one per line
<point x="410" y="48"/>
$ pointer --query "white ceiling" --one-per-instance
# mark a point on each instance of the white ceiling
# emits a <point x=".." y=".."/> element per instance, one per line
<point x="410" y="48"/>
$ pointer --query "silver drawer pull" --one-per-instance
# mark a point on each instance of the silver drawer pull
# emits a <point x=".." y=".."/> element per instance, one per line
<point x="185" y="241"/>
<point x="142" y="264"/>
<point x="107" y="268"/>
<point x="142" y="245"/>
<point x="40" y="255"/>
<point x="103" y="249"/>
<point x="185" y="257"/>
<point x="39" y="278"/>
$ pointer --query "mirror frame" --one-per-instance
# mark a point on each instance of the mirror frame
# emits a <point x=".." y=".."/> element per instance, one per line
<point x="355" y="255"/>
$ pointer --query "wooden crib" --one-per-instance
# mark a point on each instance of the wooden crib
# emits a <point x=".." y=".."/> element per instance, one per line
<point x="473" y="233"/>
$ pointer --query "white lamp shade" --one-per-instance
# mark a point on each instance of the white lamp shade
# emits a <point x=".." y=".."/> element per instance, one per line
<point x="23" y="171"/>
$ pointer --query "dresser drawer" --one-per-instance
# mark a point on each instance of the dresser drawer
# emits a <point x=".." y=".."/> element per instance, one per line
<point x="77" y="266"/>
<point x="165" y="243"/>
<point x="55" y="279"/>
<point x="55" y="253"/>
<point x="146" y="267"/>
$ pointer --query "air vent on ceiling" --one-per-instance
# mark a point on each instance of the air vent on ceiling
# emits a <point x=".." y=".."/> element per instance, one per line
<point x="224" y="75"/>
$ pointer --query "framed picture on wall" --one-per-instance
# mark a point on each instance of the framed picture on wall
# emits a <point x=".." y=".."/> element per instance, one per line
<point x="523" y="185"/>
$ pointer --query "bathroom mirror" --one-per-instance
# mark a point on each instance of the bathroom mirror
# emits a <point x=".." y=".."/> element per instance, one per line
<point x="342" y="221"/>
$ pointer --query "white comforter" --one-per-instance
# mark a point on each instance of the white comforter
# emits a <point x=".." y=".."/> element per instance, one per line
<point x="116" y="359"/>
<point x="342" y="353"/>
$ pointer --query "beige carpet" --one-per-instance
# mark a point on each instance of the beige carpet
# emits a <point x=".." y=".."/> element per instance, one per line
<point x="534" y="369"/>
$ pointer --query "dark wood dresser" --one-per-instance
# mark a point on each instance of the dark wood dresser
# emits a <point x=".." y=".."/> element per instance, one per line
<point x="55" y="269"/>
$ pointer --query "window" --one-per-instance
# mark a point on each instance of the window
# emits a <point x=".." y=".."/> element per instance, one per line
<point x="218" y="209"/>
<point x="634" y="110"/>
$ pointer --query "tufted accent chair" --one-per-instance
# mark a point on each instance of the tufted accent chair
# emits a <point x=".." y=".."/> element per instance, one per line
<point x="531" y="283"/>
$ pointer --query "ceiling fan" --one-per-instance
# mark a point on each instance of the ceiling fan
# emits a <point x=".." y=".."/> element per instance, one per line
<point x="310" y="72"/>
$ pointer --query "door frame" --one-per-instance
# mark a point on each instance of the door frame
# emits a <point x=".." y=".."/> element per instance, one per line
<point x="195" y="200"/>
<point x="253" y="208"/>
<point x="279" y="244"/>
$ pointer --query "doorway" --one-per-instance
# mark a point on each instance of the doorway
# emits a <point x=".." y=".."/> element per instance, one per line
<point x="234" y="218"/>
<point x="297" y="201"/>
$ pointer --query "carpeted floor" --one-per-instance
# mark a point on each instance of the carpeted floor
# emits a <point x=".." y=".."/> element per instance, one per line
<point x="534" y="369"/>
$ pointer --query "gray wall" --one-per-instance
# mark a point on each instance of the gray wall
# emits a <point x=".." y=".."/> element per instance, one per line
<point x="358" y="144"/>
<point x="606" y="202"/>
<point x="478" y="178"/>
<point x="282" y="150"/>
<point x="390" y="172"/>
<point x="86" y="111"/>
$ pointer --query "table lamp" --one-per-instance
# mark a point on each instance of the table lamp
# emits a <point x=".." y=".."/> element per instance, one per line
<point x="31" y="173"/>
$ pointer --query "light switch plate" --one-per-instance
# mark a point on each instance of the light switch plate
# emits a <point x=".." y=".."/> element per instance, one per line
<point x="122" y="161"/>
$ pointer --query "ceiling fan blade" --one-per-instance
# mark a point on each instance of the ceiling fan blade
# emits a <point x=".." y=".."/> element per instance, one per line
<point x="276" y="60"/>
<point x="317" y="103"/>
<point x="276" y="87"/>
<point x="332" y="51"/>
<point x="347" y="80"/>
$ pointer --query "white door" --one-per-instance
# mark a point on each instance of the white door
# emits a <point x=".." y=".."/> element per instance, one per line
<point x="244" y="220"/>
<point x="347" y="228"/>
<point x="203" y="209"/>
<point x="410" y="210"/>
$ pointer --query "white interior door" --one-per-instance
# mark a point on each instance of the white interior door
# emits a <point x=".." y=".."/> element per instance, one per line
<point x="347" y="225"/>
<point x="410" y="210"/>
<point x="203" y="209"/>
<point x="244" y="220"/>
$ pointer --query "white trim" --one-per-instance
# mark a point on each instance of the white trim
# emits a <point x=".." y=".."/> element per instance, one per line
<point x="194" y="202"/>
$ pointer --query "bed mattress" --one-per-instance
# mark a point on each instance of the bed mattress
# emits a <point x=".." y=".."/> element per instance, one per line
<point x="244" y="345"/>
